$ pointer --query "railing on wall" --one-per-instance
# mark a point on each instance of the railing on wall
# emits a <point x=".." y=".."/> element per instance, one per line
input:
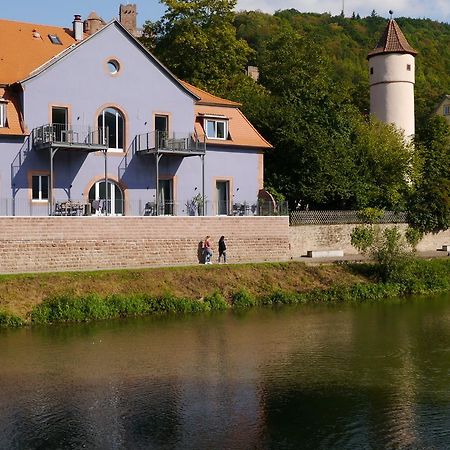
<point x="135" y="207"/>
<point x="56" y="134"/>
<point x="297" y="218"/>
<point x="173" y="142"/>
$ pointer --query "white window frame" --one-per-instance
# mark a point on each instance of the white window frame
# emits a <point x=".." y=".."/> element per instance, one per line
<point x="3" y="115"/>
<point x="446" y="110"/>
<point x="118" y="114"/>
<point x="215" y="122"/>
<point x="40" y="197"/>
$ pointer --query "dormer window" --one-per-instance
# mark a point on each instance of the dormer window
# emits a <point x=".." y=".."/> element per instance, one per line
<point x="54" y="39"/>
<point x="2" y="113"/>
<point x="216" y="128"/>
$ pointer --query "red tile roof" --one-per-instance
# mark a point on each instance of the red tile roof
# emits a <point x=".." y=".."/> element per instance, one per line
<point x="241" y="131"/>
<point x="392" y="41"/>
<point x="26" y="46"/>
<point x="208" y="99"/>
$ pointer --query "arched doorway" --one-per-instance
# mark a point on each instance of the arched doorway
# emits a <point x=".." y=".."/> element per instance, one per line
<point x="114" y="206"/>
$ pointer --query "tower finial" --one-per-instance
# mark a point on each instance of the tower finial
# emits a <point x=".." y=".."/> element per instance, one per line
<point x="391" y="13"/>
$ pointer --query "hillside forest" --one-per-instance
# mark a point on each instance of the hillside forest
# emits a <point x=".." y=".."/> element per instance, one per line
<point x="311" y="102"/>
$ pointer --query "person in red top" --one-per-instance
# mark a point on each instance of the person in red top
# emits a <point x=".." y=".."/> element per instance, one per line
<point x="207" y="250"/>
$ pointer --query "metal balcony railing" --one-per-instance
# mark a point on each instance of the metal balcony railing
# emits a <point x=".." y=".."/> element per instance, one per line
<point x="61" y="135"/>
<point x="163" y="141"/>
<point x="134" y="207"/>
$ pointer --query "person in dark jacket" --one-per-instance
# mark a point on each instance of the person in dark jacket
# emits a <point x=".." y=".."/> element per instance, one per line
<point x="222" y="249"/>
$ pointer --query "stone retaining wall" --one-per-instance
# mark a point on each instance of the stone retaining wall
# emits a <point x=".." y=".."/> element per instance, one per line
<point x="36" y="244"/>
<point x="337" y="237"/>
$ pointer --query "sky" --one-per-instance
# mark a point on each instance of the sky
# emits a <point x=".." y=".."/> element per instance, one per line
<point x="60" y="12"/>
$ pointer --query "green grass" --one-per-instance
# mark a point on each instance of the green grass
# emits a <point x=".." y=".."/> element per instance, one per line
<point x="410" y="277"/>
<point x="10" y="320"/>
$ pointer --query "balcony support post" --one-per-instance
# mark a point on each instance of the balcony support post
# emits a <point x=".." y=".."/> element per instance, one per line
<point x="50" y="181"/>
<point x="203" y="183"/>
<point x="105" y="153"/>
<point x="158" y="158"/>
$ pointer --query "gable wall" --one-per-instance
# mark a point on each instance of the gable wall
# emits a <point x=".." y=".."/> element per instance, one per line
<point x="81" y="81"/>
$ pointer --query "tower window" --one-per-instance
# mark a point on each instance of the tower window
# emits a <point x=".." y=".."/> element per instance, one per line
<point x="408" y="67"/>
<point x="371" y="71"/>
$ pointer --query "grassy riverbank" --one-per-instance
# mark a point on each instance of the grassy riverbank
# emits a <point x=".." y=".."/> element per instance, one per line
<point x="56" y="297"/>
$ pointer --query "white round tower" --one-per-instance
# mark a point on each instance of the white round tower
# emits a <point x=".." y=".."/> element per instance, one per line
<point x="392" y="79"/>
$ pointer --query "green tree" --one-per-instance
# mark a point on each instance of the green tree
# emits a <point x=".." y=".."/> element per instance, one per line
<point x="196" y="39"/>
<point x="429" y="207"/>
<point x="326" y="155"/>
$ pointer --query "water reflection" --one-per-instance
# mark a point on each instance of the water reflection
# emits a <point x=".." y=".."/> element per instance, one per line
<point x="375" y="376"/>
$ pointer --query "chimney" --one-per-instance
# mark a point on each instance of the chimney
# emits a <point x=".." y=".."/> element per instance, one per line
<point x="77" y="28"/>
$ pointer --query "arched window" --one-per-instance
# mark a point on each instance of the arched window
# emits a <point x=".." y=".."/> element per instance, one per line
<point x="111" y="123"/>
<point x="103" y="202"/>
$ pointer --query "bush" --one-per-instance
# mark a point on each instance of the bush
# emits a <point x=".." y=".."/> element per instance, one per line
<point x="280" y="297"/>
<point x="243" y="299"/>
<point x="10" y="320"/>
<point x="216" y="302"/>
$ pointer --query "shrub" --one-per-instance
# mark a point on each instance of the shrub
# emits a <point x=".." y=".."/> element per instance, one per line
<point x="280" y="297"/>
<point x="216" y="302"/>
<point x="10" y="320"/>
<point x="243" y="299"/>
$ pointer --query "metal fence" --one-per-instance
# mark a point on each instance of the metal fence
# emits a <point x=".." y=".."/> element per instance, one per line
<point x="169" y="142"/>
<point x="55" y="133"/>
<point x="137" y="207"/>
<point x="297" y="218"/>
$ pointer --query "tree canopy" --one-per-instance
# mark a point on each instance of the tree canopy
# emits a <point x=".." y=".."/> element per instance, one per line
<point x="429" y="207"/>
<point x="312" y="101"/>
<point x="196" y="39"/>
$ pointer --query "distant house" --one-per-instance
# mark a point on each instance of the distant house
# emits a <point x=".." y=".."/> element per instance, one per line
<point x="443" y="108"/>
<point x="95" y="124"/>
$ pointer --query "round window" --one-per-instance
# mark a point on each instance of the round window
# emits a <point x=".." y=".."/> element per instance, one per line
<point x="113" y="66"/>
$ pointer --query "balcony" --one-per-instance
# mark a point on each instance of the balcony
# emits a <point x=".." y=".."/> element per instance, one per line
<point x="62" y="136"/>
<point x="163" y="142"/>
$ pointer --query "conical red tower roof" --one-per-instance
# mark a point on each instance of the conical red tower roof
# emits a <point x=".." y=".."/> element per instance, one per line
<point x="392" y="41"/>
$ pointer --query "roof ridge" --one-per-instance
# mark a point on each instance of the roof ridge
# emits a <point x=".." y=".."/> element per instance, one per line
<point x="35" y="24"/>
<point x="204" y="101"/>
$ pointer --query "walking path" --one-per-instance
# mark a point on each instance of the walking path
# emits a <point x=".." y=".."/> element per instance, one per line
<point x="362" y="258"/>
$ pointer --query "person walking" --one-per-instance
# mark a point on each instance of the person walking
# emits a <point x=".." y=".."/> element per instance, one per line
<point x="222" y="249"/>
<point x="207" y="250"/>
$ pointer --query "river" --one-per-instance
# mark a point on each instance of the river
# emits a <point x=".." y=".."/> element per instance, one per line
<point x="370" y="376"/>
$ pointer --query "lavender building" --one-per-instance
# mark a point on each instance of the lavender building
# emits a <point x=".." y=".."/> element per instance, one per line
<point x="94" y="124"/>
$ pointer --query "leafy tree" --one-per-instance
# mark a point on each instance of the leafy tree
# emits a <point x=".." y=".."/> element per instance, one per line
<point x="326" y="155"/>
<point x="429" y="207"/>
<point x="196" y="39"/>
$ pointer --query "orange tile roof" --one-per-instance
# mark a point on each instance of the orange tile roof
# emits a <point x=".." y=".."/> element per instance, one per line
<point x="206" y="98"/>
<point x="27" y="48"/>
<point x="392" y="41"/>
<point x="241" y="131"/>
<point x="14" y="125"/>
